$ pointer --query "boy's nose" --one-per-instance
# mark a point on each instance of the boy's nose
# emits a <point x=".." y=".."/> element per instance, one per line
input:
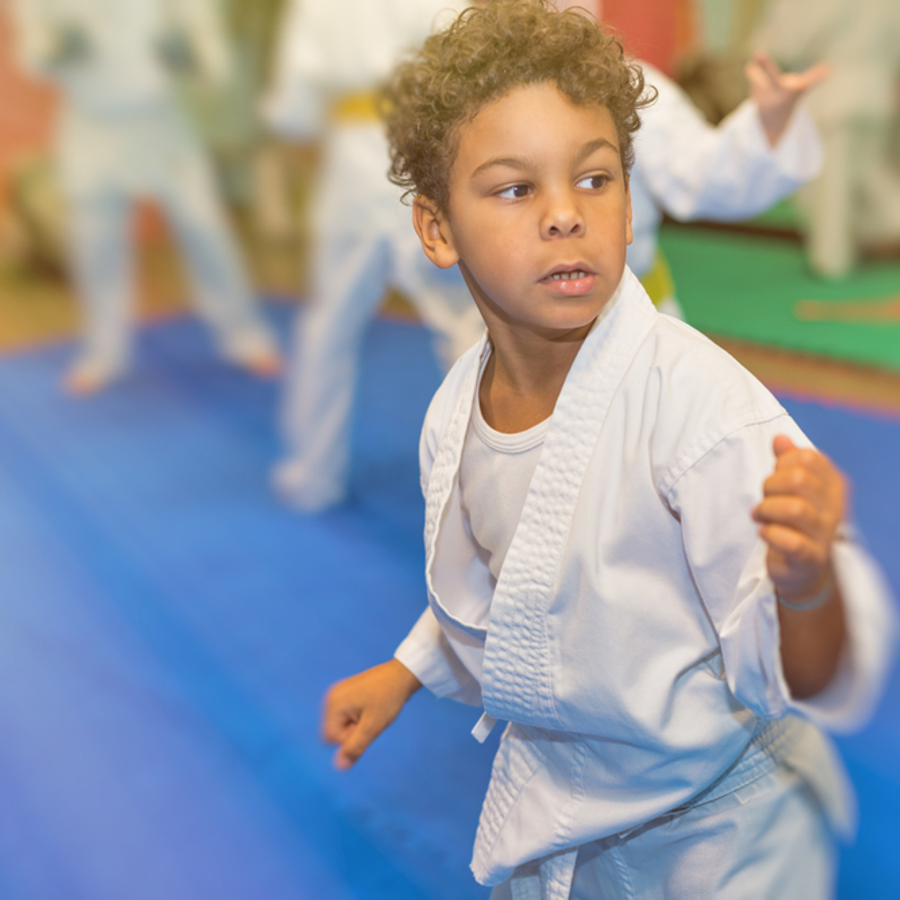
<point x="561" y="218"/>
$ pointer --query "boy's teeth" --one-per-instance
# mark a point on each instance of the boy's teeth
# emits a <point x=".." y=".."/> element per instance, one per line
<point x="565" y="276"/>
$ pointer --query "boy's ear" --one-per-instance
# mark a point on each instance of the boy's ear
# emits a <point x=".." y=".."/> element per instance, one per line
<point x="434" y="232"/>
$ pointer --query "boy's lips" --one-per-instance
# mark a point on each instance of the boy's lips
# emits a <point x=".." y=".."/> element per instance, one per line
<point x="570" y="279"/>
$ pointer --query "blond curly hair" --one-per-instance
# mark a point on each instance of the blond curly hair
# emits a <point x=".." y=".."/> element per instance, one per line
<point x="488" y="51"/>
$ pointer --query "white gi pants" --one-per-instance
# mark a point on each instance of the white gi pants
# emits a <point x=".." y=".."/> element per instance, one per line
<point x="855" y="201"/>
<point x="149" y="153"/>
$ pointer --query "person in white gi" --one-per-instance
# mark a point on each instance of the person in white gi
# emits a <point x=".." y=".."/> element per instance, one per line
<point x="688" y="169"/>
<point x="123" y="136"/>
<point x="363" y="242"/>
<point x="854" y="205"/>
<point x="332" y="56"/>
<point x="633" y="554"/>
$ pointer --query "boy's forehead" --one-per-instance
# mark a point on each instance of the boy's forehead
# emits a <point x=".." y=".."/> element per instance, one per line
<point x="536" y="115"/>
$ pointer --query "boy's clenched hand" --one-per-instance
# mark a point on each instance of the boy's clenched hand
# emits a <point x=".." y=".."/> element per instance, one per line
<point x="803" y="505"/>
<point x="359" y="708"/>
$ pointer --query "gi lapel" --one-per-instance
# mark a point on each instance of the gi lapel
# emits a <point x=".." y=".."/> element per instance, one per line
<point x="517" y="677"/>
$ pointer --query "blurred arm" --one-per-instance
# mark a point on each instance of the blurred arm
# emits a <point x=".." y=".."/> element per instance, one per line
<point x="695" y="170"/>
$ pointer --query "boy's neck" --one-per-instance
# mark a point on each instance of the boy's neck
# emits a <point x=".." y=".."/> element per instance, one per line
<point x="524" y="376"/>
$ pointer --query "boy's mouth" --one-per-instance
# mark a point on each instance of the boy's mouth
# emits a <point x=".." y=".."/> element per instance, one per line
<point x="568" y="273"/>
<point x="567" y="276"/>
<point x="575" y="280"/>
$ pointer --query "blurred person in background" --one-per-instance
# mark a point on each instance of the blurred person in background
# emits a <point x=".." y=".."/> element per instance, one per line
<point x="123" y="136"/>
<point x="230" y="124"/>
<point x="331" y="58"/>
<point x="689" y="169"/>
<point x="853" y="207"/>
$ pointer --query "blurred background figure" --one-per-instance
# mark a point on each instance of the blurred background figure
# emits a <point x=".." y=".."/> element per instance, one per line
<point x="331" y="57"/>
<point x="123" y="136"/>
<point x="688" y="168"/>
<point x="853" y="208"/>
<point x="247" y="159"/>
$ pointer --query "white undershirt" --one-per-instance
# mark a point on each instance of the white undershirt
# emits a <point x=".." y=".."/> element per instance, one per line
<point x="494" y="476"/>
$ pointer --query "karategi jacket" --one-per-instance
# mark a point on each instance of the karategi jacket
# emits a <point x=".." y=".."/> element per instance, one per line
<point x="633" y="637"/>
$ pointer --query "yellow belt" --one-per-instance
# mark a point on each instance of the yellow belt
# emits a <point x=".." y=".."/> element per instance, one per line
<point x="657" y="280"/>
<point x="359" y="107"/>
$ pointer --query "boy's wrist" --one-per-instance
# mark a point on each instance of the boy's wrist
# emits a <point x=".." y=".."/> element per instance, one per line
<point x="407" y="681"/>
<point x="819" y="595"/>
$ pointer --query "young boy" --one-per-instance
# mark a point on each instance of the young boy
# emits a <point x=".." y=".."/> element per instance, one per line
<point x="592" y="473"/>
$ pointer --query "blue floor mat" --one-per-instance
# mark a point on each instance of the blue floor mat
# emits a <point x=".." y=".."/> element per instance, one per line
<point x="167" y="631"/>
<point x="866" y="447"/>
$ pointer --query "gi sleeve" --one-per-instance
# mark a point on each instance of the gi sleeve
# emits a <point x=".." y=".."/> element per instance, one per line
<point x="695" y="170"/>
<point x="427" y="653"/>
<point x="714" y="498"/>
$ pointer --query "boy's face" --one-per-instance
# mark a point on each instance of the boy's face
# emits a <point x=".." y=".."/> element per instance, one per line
<point x="539" y="215"/>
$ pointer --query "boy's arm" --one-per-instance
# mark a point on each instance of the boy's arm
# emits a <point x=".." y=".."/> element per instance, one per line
<point x="802" y="508"/>
<point x="359" y="708"/>
<point x="730" y="562"/>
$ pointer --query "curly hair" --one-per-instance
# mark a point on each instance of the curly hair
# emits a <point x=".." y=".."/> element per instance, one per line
<point x="488" y="51"/>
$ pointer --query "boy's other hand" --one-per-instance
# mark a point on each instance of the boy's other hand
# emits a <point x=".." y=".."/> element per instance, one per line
<point x="776" y="93"/>
<point x="359" y="708"/>
<point x="803" y="504"/>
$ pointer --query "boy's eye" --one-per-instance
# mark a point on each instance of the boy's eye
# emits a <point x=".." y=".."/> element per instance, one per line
<point x="593" y="182"/>
<point x="515" y="192"/>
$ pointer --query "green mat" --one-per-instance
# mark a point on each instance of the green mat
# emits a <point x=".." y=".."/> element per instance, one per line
<point x="746" y="287"/>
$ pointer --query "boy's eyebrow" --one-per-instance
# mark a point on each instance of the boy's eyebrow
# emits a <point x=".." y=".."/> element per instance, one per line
<point x="592" y="146"/>
<point x="516" y="162"/>
<point x="512" y="162"/>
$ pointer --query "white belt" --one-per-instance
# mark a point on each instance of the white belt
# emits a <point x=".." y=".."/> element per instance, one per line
<point x="551" y="880"/>
<point x="483" y="727"/>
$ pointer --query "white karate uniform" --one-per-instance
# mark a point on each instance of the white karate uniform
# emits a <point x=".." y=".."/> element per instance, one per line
<point x="632" y="635"/>
<point x="363" y="238"/>
<point x="690" y="169"/>
<point x="123" y="136"/>
<point x="856" y="200"/>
